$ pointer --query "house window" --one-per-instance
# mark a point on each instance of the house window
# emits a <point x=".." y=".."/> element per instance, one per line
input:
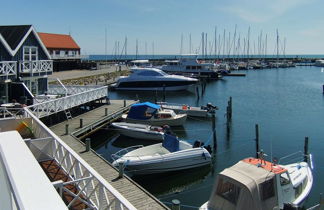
<point x="30" y="53"/>
<point x="267" y="189"/>
<point x="228" y="191"/>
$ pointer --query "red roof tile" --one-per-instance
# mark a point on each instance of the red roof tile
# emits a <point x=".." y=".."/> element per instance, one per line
<point x="58" y="41"/>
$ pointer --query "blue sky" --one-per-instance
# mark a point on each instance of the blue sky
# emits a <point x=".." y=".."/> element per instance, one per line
<point x="162" y="22"/>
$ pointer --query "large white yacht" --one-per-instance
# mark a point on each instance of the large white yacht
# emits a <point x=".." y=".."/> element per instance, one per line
<point x="153" y="79"/>
<point x="189" y="65"/>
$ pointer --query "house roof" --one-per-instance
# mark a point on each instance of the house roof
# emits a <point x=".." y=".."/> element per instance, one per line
<point x="12" y="37"/>
<point x="58" y="41"/>
<point x="14" y="34"/>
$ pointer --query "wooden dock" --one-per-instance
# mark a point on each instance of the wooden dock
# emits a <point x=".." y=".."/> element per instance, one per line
<point x="134" y="193"/>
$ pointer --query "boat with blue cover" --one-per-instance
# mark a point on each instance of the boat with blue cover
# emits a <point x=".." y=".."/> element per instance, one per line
<point x="152" y="114"/>
<point x="170" y="155"/>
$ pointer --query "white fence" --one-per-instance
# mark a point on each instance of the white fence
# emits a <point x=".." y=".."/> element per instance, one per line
<point x="37" y="66"/>
<point x="94" y="191"/>
<point x="53" y="106"/>
<point x="8" y="68"/>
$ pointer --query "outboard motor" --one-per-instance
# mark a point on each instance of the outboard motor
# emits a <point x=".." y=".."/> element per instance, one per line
<point x="197" y="144"/>
<point x="209" y="149"/>
<point x="211" y="108"/>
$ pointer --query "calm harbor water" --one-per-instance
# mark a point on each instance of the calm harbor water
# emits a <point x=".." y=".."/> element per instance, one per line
<point x="288" y="104"/>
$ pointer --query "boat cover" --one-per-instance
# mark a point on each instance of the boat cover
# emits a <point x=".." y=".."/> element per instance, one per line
<point x="137" y="111"/>
<point x="171" y="143"/>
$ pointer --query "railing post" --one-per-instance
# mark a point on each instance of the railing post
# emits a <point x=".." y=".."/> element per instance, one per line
<point x="88" y="144"/>
<point x="175" y="204"/>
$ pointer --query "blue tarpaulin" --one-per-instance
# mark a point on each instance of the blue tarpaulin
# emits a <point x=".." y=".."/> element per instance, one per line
<point x="171" y="143"/>
<point x="137" y="111"/>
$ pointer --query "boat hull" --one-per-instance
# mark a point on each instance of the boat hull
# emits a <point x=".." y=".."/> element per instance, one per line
<point x="167" y="163"/>
<point x="138" y="131"/>
<point x="178" y="121"/>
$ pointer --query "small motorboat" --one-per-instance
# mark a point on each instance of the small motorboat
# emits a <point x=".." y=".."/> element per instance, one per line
<point x="140" y="131"/>
<point x="170" y="155"/>
<point x="254" y="183"/>
<point x="202" y="111"/>
<point x="152" y="114"/>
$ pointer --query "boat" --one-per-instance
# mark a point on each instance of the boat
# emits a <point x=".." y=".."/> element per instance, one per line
<point x="189" y="65"/>
<point x="139" y="131"/>
<point x="319" y="63"/>
<point x="152" y="114"/>
<point x="193" y="111"/>
<point x="170" y="155"/>
<point x="153" y="79"/>
<point x="254" y="183"/>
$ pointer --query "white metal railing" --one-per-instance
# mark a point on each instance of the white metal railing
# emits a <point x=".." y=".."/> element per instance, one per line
<point x="37" y="66"/>
<point x="70" y="89"/>
<point x="94" y="190"/>
<point x="11" y="112"/>
<point x="8" y="68"/>
<point x="66" y="56"/>
<point x="53" y="106"/>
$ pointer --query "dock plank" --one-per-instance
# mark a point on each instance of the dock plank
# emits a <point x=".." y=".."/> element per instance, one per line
<point x="134" y="193"/>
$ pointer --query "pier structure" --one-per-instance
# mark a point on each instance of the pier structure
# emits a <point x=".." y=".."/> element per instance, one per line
<point x="83" y="179"/>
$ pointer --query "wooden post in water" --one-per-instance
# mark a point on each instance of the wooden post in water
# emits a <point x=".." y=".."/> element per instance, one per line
<point x="175" y="204"/>
<point x="81" y="122"/>
<point x="230" y="107"/>
<point x="257" y="140"/>
<point x="306" y="150"/>
<point x="88" y="144"/>
<point x="155" y="98"/>
<point x="124" y="103"/>
<point x="66" y="129"/>
<point x="323" y="89"/>
<point x="164" y="92"/>
<point x="214" y="133"/>
<point x="121" y="170"/>
<point x="197" y="91"/>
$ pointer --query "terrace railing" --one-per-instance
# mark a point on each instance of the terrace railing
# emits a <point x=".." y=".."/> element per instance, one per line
<point x="8" y="68"/>
<point x="93" y="190"/>
<point x="57" y="105"/>
<point x="37" y="66"/>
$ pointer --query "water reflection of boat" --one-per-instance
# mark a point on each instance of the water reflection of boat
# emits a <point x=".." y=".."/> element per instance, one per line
<point x="254" y="183"/>
<point x="172" y="182"/>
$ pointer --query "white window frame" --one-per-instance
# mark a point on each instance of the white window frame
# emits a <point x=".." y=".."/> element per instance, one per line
<point x="27" y="50"/>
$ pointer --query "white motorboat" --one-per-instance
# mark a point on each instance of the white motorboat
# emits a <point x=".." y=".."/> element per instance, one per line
<point x="319" y="63"/>
<point x="193" y="111"/>
<point x="254" y="183"/>
<point x="188" y="64"/>
<point x="171" y="155"/>
<point x="139" y="131"/>
<point x="153" y="79"/>
<point x="152" y="114"/>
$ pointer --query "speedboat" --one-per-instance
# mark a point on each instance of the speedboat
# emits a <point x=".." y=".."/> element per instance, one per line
<point x="190" y="65"/>
<point x="170" y="155"/>
<point x="152" y="114"/>
<point x="254" y="183"/>
<point x="153" y="79"/>
<point x="193" y="111"/>
<point x="319" y="63"/>
<point x="140" y="131"/>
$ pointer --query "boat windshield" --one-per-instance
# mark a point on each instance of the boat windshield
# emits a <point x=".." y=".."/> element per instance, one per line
<point x="151" y="73"/>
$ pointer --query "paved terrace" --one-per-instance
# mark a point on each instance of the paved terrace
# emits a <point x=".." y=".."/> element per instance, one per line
<point x="134" y="193"/>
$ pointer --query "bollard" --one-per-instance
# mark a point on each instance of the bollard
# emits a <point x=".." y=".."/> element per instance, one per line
<point x="257" y="140"/>
<point x="175" y="204"/>
<point x="121" y="170"/>
<point x="88" y="144"/>
<point x="306" y="150"/>
<point x="124" y="103"/>
<point x="66" y="129"/>
<point x="81" y="122"/>
<point x="106" y="111"/>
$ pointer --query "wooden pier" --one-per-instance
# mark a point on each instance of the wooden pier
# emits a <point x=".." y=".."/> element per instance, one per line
<point x="92" y="120"/>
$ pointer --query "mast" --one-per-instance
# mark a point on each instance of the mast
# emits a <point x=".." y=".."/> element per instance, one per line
<point x="215" y="42"/>
<point x="190" y="44"/>
<point x="136" y="53"/>
<point x="202" y="44"/>
<point x="106" y="45"/>
<point x="181" y="44"/>
<point x="277" y="48"/>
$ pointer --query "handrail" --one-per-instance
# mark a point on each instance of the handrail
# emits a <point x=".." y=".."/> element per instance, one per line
<point x="101" y="194"/>
<point x="298" y="156"/>
<point x="53" y="106"/>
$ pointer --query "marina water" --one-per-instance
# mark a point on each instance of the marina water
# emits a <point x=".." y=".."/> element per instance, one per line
<point x="288" y="105"/>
